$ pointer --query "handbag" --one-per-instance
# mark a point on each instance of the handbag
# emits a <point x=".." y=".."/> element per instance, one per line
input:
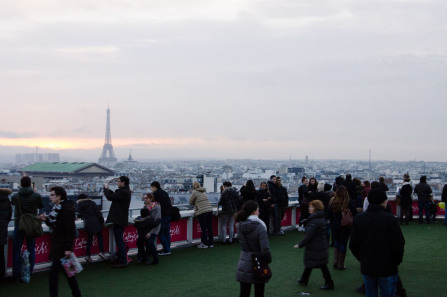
<point x="30" y="224"/>
<point x="346" y="218"/>
<point x="261" y="270"/>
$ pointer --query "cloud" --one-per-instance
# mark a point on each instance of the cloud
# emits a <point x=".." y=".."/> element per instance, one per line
<point x="14" y="135"/>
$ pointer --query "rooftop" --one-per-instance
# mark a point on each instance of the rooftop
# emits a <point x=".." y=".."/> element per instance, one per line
<point x="211" y="272"/>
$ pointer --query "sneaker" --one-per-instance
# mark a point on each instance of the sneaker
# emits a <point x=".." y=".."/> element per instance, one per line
<point x="301" y="229"/>
<point x="102" y="256"/>
<point x="88" y="259"/>
<point x="164" y="253"/>
<point x="202" y="246"/>
<point x="211" y="246"/>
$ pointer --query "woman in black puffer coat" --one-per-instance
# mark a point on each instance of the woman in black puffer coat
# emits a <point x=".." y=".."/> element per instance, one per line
<point x="5" y="218"/>
<point x="316" y="245"/>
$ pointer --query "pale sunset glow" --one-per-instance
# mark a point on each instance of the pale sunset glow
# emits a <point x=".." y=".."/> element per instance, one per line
<point x="273" y="79"/>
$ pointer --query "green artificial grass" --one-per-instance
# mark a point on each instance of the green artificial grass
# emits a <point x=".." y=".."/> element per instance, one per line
<point x="211" y="272"/>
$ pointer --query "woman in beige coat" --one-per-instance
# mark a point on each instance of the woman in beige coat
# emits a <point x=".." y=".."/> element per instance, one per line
<point x="204" y="213"/>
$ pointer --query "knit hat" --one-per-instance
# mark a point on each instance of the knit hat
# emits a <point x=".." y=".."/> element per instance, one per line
<point x="377" y="196"/>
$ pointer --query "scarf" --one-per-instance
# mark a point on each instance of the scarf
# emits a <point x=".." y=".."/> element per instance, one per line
<point x="151" y="205"/>
<point x="53" y="214"/>
<point x="256" y="219"/>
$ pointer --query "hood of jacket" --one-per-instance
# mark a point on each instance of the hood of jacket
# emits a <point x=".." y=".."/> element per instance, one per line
<point x="201" y="189"/>
<point x="248" y="226"/>
<point x="26" y="191"/>
<point x="4" y="194"/>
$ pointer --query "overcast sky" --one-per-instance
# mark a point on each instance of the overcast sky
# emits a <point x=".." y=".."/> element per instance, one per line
<point x="268" y="79"/>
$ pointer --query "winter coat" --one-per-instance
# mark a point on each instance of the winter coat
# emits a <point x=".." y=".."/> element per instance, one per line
<point x="229" y="199"/>
<point x="145" y="225"/>
<point x="282" y="198"/>
<point x="252" y="236"/>
<point x="324" y="198"/>
<point x="63" y="231"/>
<point x="405" y="194"/>
<point x="92" y="216"/>
<point x="303" y="195"/>
<point x="5" y="215"/>
<point x="444" y="194"/>
<point x="423" y="191"/>
<point x="272" y="189"/>
<point x="336" y="216"/>
<point x="377" y="242"/>
<point x="156" y="215"/>
<point x="162" y="197"/>
<point x="315" y="242"/>
<point x="119" y="210"/>
<point x="200" y="201"/>
<point x="261" y="195"/>
<point x="30" y="202"/>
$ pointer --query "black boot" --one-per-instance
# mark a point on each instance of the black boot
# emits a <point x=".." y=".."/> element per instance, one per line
<point x="328" y="285"/>
<point x="302" y="281"/>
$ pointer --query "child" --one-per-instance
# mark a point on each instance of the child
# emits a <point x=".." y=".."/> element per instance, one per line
<point x="144" y="224"/>
<point x="93" y="222"/>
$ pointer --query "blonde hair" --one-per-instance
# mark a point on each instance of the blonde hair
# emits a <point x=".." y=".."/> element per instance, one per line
<point x="196" y="185"/>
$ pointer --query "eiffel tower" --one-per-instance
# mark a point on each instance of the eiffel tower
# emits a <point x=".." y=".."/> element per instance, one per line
<point x="107" y="156"/>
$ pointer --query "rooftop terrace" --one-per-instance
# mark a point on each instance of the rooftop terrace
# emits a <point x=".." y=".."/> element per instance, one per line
<point x="211" y="272"/>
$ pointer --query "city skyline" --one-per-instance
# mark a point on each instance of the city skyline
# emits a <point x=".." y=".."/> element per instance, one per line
<point x="225" y="80"/>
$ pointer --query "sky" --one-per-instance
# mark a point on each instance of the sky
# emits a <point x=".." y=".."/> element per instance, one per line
<point x="238" y="79"/>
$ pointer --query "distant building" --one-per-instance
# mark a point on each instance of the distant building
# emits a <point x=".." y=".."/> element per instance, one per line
<point x="34" y="158"/>
<point x="296" y="170"/>
<point x="66" y="169"/>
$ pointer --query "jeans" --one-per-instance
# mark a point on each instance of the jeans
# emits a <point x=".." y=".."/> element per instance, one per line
<point x="341" y="237"/>
<point x="54" y="280"/>
<point x="225" y="220"/>
<point x="165" y="234"/>
<point x="118" y="232"/>
<point x="206" y="226"/>
<point x="90" y="241"/>
<point x="387" y="286"/>
<point x="276" y="221"/>
<point x="264" y="215"/>
<point x="424" y="205"/>
<point x="246" y="288"/>
<point x="17" y="249"/>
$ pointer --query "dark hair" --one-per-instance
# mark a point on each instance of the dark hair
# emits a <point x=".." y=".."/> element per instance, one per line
<point x="406" y="177"/>
<point x="144" y="212"/>
<point x="303" y="179"/>
<point x="367" y="183"/>
<point x="348" y="177"/>
<point x="155" y="184"/>
<point x="423" y="179"/>
<point x="381" y="179"/>
<point x="125" y="180"/>
<point x="82" y="196"/>
<point x="25" y="181"/>
<point x="59" y="191"/>
<point x="250" y="186"/>
<point x="375" y="185"/>
<point x="227" y="184"/>
<point x="341" y="199"/>
<point x="247" y="209"/>
<point x="272" y="176"/>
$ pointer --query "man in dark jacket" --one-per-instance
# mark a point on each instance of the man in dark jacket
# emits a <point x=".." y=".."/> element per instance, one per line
<point x="61" y="221"/>
<point x="424" y="193"/>
<point x="229" y="199"/>
<point x="282" y="199"/>
<point x="378" y="243"/>
<point x="25" y="201"/>
<point x="5" y="217"/>
<point x="164" y="235"/>
<point x="119" y="215"/>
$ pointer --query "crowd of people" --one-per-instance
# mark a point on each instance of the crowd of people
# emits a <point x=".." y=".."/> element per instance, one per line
<point x="346" y="214"/>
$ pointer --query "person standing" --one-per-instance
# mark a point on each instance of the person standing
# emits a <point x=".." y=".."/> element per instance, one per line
<point x="303" y="199"/>
<point x="340" y="202"/>
<point x="119" y="215"/>
<point x="282" y="198"/>
<point x="155" y="213"/>
<point x="164" y="235"/>
<point x="424" y="193"/>
<point x="5" y="217"/>
<point x="253" y="239"/>
<point x="204" y="213"/>
<point x="229" y="199"/>
<point x="26" y="200"/>
<point x="61" y="221"/>
<point x="316" y="246"/>
<point x="383" y="185"/>
<point x="265" y="204"/>
<point x="406" y="199"/>
<point x="273" y="189"/>
<point x="93" y="223"/>
<point x="444" y="199"/>
<point x="248" y="191"/>
<point x="378" y="243"/>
